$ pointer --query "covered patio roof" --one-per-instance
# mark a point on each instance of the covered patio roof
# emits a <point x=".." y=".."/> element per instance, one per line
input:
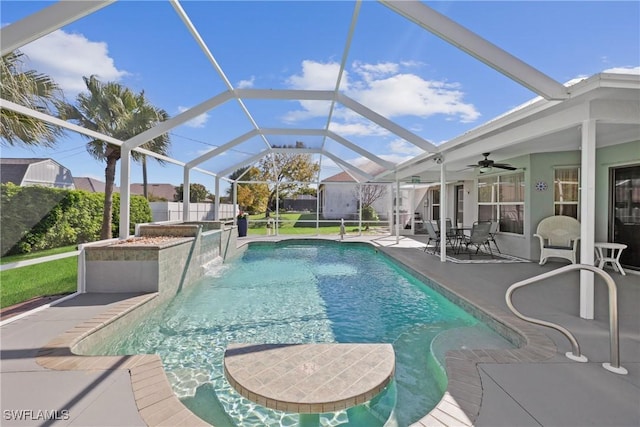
<point x="549" y="122"/>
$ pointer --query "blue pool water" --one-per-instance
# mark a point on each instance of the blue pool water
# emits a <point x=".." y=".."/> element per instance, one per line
<point x="300" y="293"/>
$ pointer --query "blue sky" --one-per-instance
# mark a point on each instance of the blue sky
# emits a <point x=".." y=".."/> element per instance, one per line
<point x="394" y="67"/>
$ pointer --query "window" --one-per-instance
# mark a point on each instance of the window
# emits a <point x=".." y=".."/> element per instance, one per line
<point x="435" y="203"/>
<point x="501" y="198"/>
<point x="566" y="192"/>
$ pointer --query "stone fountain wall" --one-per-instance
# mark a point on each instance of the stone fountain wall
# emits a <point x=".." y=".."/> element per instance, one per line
<point x="163" y="259"/>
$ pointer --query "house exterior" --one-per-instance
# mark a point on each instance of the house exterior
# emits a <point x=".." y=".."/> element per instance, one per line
<point x="35" y="171"/>
<point x="579" y="158"/>
<point x="339" y="198"/>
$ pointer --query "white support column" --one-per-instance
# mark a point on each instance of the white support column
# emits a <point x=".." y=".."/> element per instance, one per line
<point x="318" y="209"/>
<point x="443" y="213"/>
<point x="277" y="223"/>
<point x="125" y="192"/>
<point x="186" y="195"/>
<point x="216" y="213"/>
<point x="397" y="211"/>
<point x="587" y="215"/>
<point x="235" y="202"/>
<point x="360" y="211"/>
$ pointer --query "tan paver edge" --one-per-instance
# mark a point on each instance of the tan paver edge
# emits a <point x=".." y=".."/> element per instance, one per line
<point x="156" y="401"/>
<point x="154" y="397"/>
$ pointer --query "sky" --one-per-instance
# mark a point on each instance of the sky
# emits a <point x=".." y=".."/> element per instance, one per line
<point x="393" y="67"/>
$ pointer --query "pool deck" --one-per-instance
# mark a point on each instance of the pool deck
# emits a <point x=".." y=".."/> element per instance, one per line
<point x="533" y="386"/>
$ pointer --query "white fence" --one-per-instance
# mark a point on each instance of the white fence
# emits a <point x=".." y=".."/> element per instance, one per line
<point x="172" y="211"/>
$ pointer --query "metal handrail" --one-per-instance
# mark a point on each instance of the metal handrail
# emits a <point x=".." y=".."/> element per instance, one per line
<point x="614" y="365"/>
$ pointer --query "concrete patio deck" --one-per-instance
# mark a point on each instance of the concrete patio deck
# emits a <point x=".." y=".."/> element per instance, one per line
<point x="553" y="391"/>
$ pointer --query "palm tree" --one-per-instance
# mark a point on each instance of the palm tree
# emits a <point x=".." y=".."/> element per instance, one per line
<point x="114" y="110"/>
<point x="29" y="89"/>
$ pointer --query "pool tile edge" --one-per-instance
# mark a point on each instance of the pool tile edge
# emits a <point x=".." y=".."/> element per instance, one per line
<point x="154" y="397"/>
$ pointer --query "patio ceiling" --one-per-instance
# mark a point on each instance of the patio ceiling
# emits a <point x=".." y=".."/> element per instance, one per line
<point x="548" y="123"/>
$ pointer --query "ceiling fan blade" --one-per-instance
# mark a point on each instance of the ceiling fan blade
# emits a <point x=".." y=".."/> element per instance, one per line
<point x="504" y="166"/>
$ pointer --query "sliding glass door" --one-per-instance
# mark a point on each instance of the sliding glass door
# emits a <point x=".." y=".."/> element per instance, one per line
<point x="624" y="224"/>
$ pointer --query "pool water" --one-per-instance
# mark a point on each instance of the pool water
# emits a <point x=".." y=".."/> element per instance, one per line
<point x="302" y="293"/>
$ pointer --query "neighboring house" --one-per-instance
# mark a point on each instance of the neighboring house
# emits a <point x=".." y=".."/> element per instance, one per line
<point x="156" y="191"/>
<point x="28" y="172"/>
<point x="91" y="185"/>
<point x="339" y="199"/>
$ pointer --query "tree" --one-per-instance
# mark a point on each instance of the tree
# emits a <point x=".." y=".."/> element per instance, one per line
<point x="197" y="193"/>
<point x="368" y="194"/>
<point x="29" y="89"/>
<point x="288" y="172"/>
<point x="252" y="197"/>
<point x="113" y="110"/>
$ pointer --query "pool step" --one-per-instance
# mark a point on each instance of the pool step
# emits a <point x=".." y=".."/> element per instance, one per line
<point x="478" y="336"/>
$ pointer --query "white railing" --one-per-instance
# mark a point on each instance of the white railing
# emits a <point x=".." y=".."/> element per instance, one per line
<point x="614" y="365"/>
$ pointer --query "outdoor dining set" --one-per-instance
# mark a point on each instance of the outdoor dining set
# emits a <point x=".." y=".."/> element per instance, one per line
<point x="480" y="235"/>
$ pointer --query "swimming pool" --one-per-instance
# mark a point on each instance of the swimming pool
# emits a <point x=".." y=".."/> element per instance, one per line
<point x="299" y="292"/>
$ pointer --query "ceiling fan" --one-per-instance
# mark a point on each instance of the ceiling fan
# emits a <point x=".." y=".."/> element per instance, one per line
<point x="485" y="165"/>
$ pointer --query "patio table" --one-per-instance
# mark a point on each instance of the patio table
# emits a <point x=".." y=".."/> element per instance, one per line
<point x="603" y="255"/>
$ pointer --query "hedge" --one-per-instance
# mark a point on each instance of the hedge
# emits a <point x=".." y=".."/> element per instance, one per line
<point x="37" y="218"/>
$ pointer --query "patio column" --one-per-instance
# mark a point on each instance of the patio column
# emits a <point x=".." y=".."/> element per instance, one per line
<point x="277" y="208"/>
<point x="587" y="215"/>
<point x="235" y="202"/>
<point x="443" y="212"/>
<point x="186" y="195"/>
<point x="216" y="207"/>
<point x="397" y="206"/>
<point x="125" y="192"/>
<point x="360" y="211"/>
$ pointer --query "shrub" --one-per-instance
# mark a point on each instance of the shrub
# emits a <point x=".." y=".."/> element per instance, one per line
<point x="37" y="218"/>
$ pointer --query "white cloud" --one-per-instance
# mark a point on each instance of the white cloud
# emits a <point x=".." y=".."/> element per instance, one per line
<point x="623" y="70"/>
<point x="67" y="57"/>
<point x="400" y="146"/>
<point x="196" y="122"/>
<point x="357" y="129"/>
<point x="244" y="84"/>
<point x="410" y="95"/>
<point x="318" y="76"/>
<point x="385" y="89"/>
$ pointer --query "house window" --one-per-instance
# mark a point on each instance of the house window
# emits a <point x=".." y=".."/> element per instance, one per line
<point x="435" y="204"/>
<point x="501" y="198"/>
<point x="566" y="190"/>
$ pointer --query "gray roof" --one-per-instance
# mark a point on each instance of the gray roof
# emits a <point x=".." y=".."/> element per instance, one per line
<point x="14" y="169"/>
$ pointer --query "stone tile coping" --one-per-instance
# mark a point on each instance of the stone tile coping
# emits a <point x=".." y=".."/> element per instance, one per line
<point x="309" y="378"/>
<point x="156" y="402"/>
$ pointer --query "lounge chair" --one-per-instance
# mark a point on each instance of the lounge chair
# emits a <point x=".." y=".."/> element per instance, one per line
<point x="479" y="237"/>
<point x="492" y="234"/>
<point x="559" y="236"/>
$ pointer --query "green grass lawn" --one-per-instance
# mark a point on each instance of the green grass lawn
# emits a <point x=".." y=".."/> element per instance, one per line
<point x="294" y="223"/>
<point x="39" y="254"/>
<point x="49" y="278"/>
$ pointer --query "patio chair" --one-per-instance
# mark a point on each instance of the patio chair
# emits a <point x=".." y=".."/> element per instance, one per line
<point x="479" y="237"/>
<point x="559" y="236"/>
<point x="492" y="233"/>
<point x="433" y="235"/>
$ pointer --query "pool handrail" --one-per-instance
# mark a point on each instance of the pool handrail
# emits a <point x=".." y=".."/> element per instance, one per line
<point x="614" y="365"/>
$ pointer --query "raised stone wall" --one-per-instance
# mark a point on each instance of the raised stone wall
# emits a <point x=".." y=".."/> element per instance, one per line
<point x="163" y="259"/>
